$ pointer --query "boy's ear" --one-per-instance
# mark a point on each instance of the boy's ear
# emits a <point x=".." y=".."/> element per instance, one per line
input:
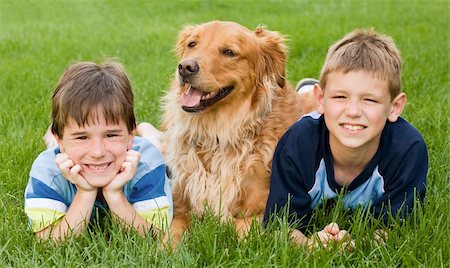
<point x="397" y="106"/>
<point x="130" y="142"/>
<point x="318" y="96"/>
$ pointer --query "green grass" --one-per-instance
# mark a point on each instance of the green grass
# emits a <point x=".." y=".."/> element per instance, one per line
<point x="38" y="39"/>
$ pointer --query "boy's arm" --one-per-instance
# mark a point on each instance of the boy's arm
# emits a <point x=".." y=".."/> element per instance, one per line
<point x="288" y="193"/>
<point x="47" y="209"/>
<point x="145" y="213"/>
<point x="75" y="220"/>
<point x="405" y="184"/>
<point x="125" y="213"/>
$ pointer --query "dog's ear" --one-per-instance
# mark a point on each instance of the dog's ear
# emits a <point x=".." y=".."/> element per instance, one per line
<point x="183" y="38"/>
<point x="272" y="61"/>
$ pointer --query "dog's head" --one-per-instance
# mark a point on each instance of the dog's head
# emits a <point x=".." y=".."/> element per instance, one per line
<point x="223" y="64"/>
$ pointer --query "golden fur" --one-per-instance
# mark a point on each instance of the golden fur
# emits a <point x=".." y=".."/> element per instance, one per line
<point x="221" y="156"/>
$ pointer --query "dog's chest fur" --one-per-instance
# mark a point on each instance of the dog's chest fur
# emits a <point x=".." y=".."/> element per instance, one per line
<point x="213" y="177"/>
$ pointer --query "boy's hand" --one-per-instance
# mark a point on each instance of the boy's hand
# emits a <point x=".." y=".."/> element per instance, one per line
<point x="126" y="172"/>
<point x="72" y="173"/>
<point x="332" y="234"/>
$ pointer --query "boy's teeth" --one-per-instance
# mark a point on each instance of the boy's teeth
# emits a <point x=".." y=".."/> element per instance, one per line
<point x="98" y="167"/>
<point x="352" y="127"/>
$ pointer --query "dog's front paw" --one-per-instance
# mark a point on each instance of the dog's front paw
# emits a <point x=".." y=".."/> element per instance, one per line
<point x="170" y="241"/>
<point x="243" y="227"/>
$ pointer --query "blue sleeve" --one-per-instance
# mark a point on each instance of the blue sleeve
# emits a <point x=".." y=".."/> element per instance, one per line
<point x="48" y="194"/>
<point x="149" y="191"/>
<point x="288" y="193"/>
<point x="150" y="181"/>
<point x="38" y="189"/>
<point x="151" y="198"/>
<point x="405" y="184"/>
<point x="150" y="186"/>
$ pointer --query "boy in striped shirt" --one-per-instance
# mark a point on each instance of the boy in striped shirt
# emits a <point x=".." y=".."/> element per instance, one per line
<point x="98" y="163"/>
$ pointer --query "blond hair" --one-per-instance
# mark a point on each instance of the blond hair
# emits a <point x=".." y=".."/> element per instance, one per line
<point x="365" y="50"/>
<point x="86" y="89"/>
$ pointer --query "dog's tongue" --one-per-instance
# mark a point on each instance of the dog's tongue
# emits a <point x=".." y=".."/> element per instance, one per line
<point x="191" y="97"/>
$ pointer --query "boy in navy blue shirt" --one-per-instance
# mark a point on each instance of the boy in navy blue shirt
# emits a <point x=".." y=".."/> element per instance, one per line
<point x="356" y="143"/>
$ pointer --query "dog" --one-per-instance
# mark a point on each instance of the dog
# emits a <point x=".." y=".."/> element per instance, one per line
<point x="224" y="113"/>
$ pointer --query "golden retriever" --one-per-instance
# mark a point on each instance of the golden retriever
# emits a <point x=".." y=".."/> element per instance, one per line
<point x="228" y="106"/>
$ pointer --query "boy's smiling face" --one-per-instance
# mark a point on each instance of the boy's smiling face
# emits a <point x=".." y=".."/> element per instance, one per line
<point x="356" y="106"/>
<point x="99" y="148"/>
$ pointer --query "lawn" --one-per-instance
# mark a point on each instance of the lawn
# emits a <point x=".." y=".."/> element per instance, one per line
<point x="39" y="39"/>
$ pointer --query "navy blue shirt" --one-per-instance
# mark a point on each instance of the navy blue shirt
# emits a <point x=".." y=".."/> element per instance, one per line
<point x="302" y="172"/>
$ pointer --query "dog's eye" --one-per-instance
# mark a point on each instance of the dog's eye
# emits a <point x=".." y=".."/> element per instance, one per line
<point x="192" y="44"/>
<point x="229" y="52"/>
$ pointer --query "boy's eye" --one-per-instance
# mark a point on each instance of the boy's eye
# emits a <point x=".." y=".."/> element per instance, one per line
<point x="81" y="138"/>
<point x="339" y="97"/>
<point x="371" y="100"/>
<point x="112" y="135"/>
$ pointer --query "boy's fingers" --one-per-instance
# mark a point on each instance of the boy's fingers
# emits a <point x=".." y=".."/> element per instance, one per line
<point x="60" y="158"/>
<point x="380" y="236"/>
<point x="348" y="246"/>
<point x="133" y="153"/>
<point x="75" y="170"/>
<point x="324" y="237"/>
<point x="343" y="235"/>
<point x="126" y="166"/>
<point x="66" y="165"/>
<point x="332" y="228"/>
<point x="131" y="160"/>
<point x="133" y="156"/>
<point x="72" y="173"/>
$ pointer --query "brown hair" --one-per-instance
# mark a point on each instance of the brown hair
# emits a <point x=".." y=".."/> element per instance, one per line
<point x="87" y="89"/>
<point x="365" y="50"/>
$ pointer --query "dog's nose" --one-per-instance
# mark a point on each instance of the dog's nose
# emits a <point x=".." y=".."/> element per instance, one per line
<point x="188" y="67"/>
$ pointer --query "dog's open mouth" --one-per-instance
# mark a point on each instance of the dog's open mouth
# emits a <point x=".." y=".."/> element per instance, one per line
<point x="194" y="100"/>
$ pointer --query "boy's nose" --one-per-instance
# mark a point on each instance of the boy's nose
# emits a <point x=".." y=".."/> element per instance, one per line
<point x="97" y="149"/>
<point x="353" y="108"/>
